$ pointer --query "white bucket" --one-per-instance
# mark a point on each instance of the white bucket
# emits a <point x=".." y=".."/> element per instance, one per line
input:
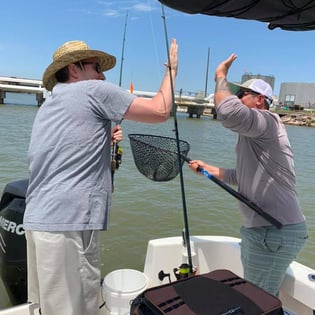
<point x="120" y="287"/>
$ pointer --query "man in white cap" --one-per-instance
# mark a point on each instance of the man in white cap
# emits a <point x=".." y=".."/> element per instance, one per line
<point x="69" y="194"/>
<point x="264" y="174"/>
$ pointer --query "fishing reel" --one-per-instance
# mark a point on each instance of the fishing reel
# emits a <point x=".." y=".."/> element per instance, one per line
<point x="184" y="271"/>
<point x="116" y="157"/>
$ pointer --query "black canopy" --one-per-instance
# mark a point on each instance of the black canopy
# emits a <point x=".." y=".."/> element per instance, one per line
<point x="292" y="15"/>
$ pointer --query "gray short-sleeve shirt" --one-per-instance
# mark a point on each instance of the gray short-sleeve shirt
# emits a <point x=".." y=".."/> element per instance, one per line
<point x="69" y="157"/>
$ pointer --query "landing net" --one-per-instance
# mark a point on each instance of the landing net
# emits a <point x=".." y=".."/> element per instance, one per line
<point x="156" y="157"/>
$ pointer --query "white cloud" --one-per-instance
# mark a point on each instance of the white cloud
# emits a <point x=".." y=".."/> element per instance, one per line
<point x="111" y="13"/>
<point x="142" y="7"/>
<point x="118" y="8"/>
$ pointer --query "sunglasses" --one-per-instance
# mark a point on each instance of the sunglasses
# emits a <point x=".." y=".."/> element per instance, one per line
<point x="242" y="93"/>
<point x="97" y="66"/>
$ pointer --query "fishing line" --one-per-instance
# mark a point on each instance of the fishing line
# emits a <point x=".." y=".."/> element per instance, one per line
<point x="158" y="62"/>
<point x="156" y="49"/>
<point x="186" y="227"/>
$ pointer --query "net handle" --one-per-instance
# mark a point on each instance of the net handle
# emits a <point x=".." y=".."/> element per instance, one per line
<point x="237" y="195"/>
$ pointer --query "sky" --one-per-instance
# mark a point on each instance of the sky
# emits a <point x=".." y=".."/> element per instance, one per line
<point x="32" y="30"/>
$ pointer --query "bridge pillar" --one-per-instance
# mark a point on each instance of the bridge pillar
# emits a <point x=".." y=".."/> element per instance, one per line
<point x="40" y="99"/>
<point x="214" y="113"/>
<point x="2" y="96"/>
<point x="195" y="110"/>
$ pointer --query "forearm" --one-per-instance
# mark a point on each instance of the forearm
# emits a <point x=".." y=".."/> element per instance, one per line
<point x="218" y="172"/>
<point x="221" y="90"/>
<point x="159" y="107"/>
<point x="163" y="100"/>
<point x="215" y="171"/>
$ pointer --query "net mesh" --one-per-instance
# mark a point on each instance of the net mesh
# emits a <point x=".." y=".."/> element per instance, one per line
<point x="156" y="157"/>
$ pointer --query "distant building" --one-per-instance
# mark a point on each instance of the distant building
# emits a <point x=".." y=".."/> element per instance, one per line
<point x="295" y="93"/>
<point x="268" y="78"/>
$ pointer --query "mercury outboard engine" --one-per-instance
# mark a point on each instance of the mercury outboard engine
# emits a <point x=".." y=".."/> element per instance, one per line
<point x="13" y="265"/>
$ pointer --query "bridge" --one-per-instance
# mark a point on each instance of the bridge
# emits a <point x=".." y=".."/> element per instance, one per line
<point x="192" y="103"/>
<point x="21" y="85"/>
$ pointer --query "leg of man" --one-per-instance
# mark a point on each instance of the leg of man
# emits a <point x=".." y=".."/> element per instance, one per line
<point x="267" y="252"/>
<point x="68" y="272"/>
<point x="32" y="278"/>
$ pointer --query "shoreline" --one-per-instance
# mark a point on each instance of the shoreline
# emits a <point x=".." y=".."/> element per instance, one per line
<point x="304" y="119"/>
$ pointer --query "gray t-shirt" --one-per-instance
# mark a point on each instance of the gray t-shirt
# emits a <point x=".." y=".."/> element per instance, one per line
<point x="69" y="157"/>
<point x="264" y="169"/>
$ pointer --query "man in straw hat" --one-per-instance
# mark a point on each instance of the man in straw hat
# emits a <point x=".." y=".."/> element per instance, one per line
<point x="264" y="174"/>
<point x="69" y="194"/>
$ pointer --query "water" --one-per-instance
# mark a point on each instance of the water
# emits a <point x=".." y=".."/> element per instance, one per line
<point x="143" y="209"/>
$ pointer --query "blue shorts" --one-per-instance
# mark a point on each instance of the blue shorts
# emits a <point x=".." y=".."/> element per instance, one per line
<point x="267" y="252"/>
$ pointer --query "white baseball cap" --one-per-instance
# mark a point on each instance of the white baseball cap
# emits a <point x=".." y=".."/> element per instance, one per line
<point x="255" y="85"/>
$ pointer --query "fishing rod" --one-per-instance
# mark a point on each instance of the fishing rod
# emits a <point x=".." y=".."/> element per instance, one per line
<point x="207" y="71"/>
<point x="123" y="51"/>
<point x="186" y="235"/>
<point x="115" y="147"/>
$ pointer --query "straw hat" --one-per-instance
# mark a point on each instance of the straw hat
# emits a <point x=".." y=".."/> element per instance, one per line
<point x="72" y="52"/>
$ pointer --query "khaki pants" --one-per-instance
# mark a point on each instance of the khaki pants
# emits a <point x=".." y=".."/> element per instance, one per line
<point x="63" y="271"/>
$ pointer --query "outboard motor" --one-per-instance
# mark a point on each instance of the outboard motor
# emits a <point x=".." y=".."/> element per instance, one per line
<point x="13" y="262"/>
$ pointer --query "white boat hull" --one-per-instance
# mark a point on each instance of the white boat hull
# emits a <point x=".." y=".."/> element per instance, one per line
<point x="219" y="252"/>
<point x="210" y="253"/>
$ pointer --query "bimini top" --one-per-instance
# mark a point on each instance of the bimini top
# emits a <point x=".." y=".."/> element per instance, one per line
<point x="294" y="15"/>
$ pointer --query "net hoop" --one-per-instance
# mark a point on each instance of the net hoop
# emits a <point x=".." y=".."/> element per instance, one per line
<point x="156" y="157"/>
